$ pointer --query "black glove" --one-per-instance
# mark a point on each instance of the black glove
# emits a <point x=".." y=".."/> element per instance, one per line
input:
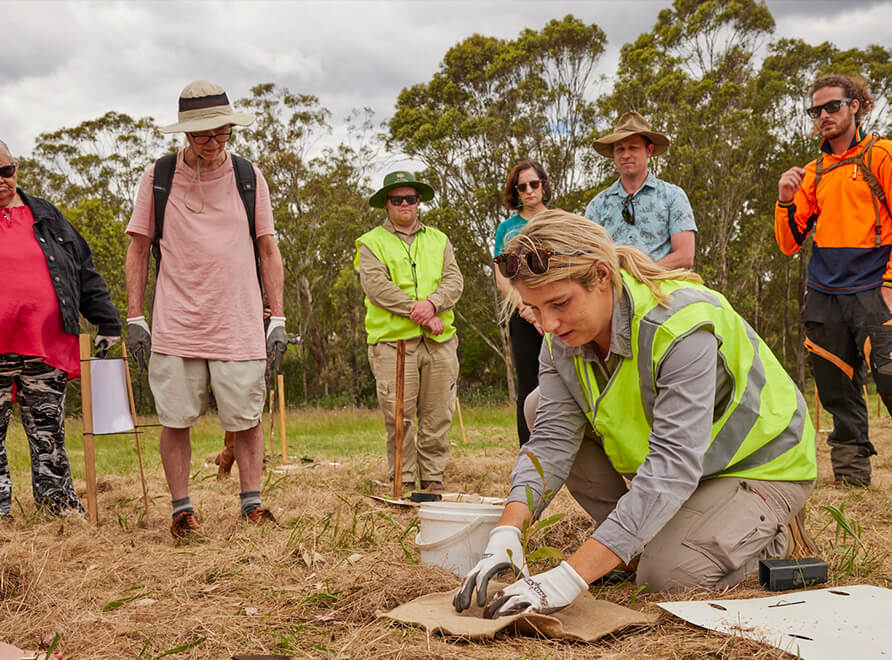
<point x="276" y="343"/>
<point x="139" y="341"/>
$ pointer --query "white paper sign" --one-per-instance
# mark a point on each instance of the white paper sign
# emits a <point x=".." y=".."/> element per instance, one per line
<point x="111" y="403"/>
<point x="821" y="624"/>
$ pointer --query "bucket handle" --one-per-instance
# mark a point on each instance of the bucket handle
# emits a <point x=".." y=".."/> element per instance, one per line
<point x="452" y="537"/>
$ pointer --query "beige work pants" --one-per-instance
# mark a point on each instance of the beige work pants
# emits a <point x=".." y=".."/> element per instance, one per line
<point x="717" y="537"/>
<point x="431" y="372"/>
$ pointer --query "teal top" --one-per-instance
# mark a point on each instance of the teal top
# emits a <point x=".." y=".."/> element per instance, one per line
<point x="507" y="230"/>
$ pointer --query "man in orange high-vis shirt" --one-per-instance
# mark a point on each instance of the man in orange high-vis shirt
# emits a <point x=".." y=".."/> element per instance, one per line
<point x="844" y="195"/>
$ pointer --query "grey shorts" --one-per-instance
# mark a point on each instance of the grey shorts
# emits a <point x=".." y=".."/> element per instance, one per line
<point x="180" y="388"/>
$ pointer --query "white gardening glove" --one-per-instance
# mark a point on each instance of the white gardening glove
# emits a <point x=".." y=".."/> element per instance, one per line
<point x="276" y="342"/>
<point x="139" y="340"/>
<point x="544" y="593"/>
<point x="105" y="342"/>
<point x="504" y="551"/>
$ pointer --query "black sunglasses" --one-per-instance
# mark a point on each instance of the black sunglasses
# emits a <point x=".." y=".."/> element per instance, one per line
<point x="220" y="138"/>
<point x="629" y="210"/>
<point x="534" y="185"/>
<point x="7" y="171"/>
<point x="537" y="261"/>
<point x="831" y="107"/>
<point x="397" y="200"/>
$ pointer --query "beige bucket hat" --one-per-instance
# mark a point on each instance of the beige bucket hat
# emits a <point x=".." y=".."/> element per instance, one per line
<point x="628" y="125"/>
<point x="204" y="106"/>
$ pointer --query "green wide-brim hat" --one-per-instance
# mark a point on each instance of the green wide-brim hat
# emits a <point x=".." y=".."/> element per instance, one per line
<point x="398" y="180"/>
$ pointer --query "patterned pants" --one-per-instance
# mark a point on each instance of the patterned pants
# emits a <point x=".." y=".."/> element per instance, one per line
<point x="40" y="390"/>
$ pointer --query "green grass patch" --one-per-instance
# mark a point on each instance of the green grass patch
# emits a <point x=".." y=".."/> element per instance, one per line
<point x="313" y="432"/>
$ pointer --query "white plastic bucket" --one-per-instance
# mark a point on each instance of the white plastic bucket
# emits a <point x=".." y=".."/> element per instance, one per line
<point x="454" y="534"/>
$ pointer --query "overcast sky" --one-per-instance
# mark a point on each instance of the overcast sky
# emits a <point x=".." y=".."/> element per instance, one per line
<point x="67" y="62"/>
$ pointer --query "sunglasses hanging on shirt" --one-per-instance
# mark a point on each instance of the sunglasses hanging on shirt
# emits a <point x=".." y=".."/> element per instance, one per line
<point x="629" y="209"/>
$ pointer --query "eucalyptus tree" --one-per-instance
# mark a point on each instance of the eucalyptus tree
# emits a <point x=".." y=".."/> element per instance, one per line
<point x="491" y="103"/>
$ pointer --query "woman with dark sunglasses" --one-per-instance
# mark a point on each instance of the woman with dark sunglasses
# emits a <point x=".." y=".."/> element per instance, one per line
<point x="527" y="190"/>
<point x="670" y="421"/>
<point x="48" y="280"/>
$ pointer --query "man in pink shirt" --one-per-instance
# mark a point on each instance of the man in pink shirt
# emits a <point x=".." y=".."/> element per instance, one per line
<point x="207" y="315"/>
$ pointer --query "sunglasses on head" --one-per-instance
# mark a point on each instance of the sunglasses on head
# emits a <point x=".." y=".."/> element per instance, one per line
<point x="534" y="185"/>
<point x="831" y="107"/>
<point x="397" y="200"/>
<point x="537" y="261"/>
<point x="629" y="210"/>
<point x="7" y="171"/>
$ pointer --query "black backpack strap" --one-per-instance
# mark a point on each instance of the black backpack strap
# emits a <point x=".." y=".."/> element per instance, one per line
<point x="164" y="169"/>
<point x="246" y="180"/>
<point x="247" y="188"/>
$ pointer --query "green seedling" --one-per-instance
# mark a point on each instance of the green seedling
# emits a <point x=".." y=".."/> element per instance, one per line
<point x="531" y="530"/>
<point x="848" y="544"/>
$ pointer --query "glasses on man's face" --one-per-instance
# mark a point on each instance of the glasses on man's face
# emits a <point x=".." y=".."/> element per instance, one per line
<point x="397" y="200"/>
<point x="534" y="185"/>
<point x="629" y="210"/>
<point x="7" y="171"/>
<point x="832" y="107"/>
<point x="537" y="261"/>
<point x="220" y="138"/>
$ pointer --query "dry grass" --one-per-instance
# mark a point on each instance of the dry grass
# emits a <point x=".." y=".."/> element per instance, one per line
<point x="310" y="587"/>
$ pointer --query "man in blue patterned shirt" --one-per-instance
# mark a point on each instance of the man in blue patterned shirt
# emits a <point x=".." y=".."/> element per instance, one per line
<point x="639" y="209"/>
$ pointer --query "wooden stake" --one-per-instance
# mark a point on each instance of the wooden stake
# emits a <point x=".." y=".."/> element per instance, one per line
<point x="280" y="380"/>
<point x="142" y="476"/>
<point x="89" y="447"/>
<point x="272" y="406"/>
<point x="817" y="411"/>
<point x="461" y="422"/>
<point x="398" y="418"/>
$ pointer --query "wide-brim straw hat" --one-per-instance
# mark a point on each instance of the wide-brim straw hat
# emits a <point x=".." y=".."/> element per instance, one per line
<point x="628" y="125"/>
<point x="397" y="180"/>
<point x="204" y="106"/>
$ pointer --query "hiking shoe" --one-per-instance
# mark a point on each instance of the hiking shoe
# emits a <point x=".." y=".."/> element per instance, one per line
<point x="184" y="524"/>
<point x="799" y="543"/>
<point x="259" y="515"/>
<point x="433" y="486"/>
<point x="851" y="482"/>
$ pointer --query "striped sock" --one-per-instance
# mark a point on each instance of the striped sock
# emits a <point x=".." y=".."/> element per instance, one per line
<point x="180" y="505"/>
<point x="250" y="500"/>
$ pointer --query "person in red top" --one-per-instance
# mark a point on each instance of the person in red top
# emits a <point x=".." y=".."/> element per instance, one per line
<point x="844" y="196"/>
<point x="48" y="278"/>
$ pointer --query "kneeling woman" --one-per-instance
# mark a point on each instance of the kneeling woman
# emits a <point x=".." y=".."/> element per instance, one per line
<point x="645" y="374"/>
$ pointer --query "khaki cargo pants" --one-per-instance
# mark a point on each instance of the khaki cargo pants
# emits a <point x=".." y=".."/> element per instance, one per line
<point x="431" y="372"/>
<point x="717" y="537"/>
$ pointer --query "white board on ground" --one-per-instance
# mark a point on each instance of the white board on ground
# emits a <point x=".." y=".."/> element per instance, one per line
<point x="821" y="624"/>
<point x="111" y="403"/>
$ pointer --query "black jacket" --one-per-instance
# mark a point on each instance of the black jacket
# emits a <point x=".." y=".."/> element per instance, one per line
<point x="78" y="286"/>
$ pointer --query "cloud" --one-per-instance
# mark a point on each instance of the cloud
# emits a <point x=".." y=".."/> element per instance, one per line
<point x="75" y="61"/>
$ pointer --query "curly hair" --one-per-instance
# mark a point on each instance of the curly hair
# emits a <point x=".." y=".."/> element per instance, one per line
<point x="854" y="87"/>
<point x="509" y="197"/>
